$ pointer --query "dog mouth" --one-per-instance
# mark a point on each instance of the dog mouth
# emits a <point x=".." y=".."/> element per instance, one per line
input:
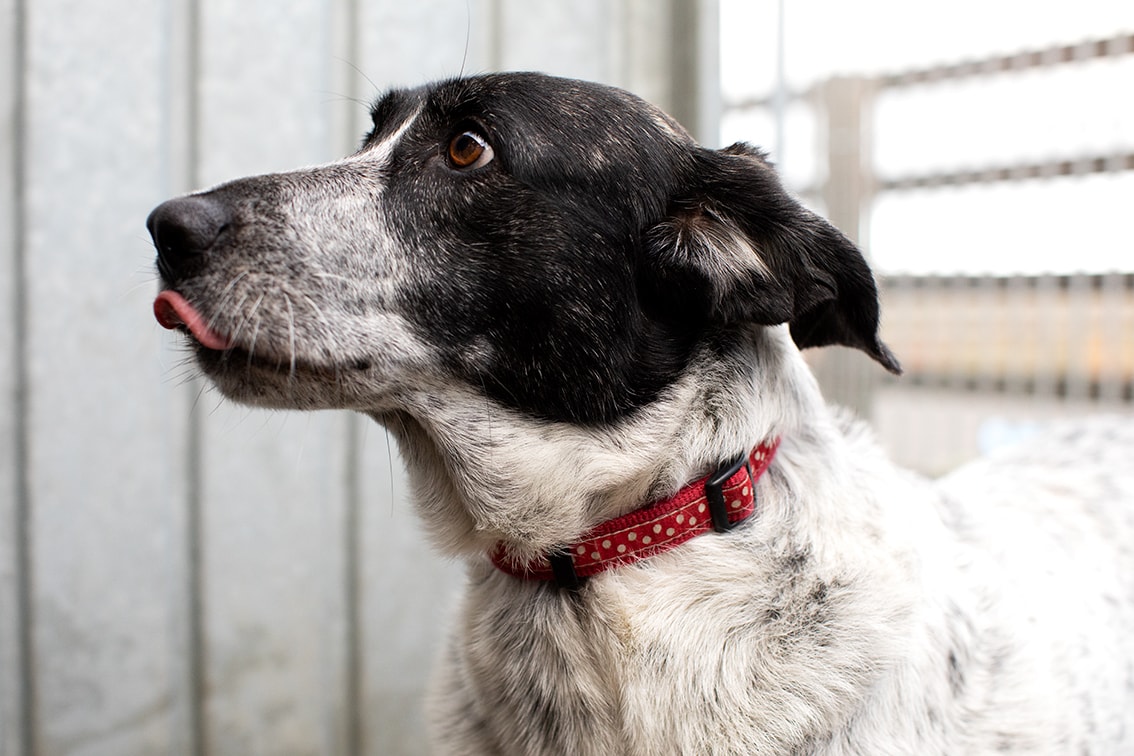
<point x="219" y="351"/>
<point x="174" y="312"/>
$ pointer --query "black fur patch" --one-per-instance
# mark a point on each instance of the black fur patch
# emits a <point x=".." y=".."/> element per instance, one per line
<point x="540" y="275"/>
<point x="527" y="269"/>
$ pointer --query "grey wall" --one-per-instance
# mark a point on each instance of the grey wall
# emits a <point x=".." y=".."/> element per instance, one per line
<point x="178" y="574"/>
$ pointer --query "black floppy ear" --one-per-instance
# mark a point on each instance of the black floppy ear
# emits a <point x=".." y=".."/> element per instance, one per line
<point x="753" y="254"/>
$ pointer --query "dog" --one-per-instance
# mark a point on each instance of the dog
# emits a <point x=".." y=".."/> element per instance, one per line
<point x="584" y="331"/>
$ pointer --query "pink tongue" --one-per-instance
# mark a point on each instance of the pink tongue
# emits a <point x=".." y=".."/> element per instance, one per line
<point x="173" y="310"/>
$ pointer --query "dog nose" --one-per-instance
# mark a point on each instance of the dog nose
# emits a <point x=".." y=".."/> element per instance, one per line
<point x="183" y="230"/>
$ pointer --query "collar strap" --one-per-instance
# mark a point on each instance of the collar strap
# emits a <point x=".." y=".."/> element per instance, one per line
<point x="718" y="502"/>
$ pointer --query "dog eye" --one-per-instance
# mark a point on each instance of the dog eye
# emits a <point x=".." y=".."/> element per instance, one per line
<point x="469" y="150"/>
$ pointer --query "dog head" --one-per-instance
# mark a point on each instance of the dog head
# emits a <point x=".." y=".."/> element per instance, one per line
<point x="563" y="247"/>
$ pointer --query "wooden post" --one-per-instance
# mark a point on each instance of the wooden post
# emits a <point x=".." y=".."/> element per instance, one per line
<point x="847" y="376"/>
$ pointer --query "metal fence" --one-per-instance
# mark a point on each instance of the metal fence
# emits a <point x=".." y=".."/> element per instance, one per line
<point x="983" y="350"/>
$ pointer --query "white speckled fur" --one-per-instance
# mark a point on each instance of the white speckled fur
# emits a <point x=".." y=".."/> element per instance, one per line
<point x="866" y="611"/>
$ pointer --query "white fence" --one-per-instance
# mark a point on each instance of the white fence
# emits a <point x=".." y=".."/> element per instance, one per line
<point x="963" y="168"/>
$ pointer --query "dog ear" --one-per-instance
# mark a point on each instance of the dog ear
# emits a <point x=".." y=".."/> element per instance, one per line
<point x="745" y="251"/>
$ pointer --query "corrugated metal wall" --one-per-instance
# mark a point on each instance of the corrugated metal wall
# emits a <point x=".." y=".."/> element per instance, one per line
<point x="178" y="574"/>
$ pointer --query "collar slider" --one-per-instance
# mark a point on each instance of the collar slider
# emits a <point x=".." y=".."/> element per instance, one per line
<point x="714" y="492"/>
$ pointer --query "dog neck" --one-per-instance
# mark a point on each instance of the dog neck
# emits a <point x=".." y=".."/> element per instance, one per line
<point x="716" y="503"/>
<point x="483" y="474"/>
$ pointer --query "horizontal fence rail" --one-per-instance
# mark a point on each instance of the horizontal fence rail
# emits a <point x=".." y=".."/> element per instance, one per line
<point x="1058" y="55"/>
<point x="1064" y="336"/>
<point x="1050" y="56"/>
<point x="1044" y="169"/>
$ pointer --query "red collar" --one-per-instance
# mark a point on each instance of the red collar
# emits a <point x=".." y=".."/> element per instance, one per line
<point x="716" y="502"/>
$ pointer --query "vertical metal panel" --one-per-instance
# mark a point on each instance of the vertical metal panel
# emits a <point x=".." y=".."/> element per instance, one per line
<point x="263" y="107"/>
<point x="273" y="503"/>
<point x="407" y="597"/>
<point x="694" y="70"/>
<point x="98" y="434"/>
<point x="566" y="39"/>
<point x="408" y="44"/>
<point x="342" y="652"/>
<point x="179" y="35"/>
<point x="637" y="62"/>
<point x="16" y="689"/>
<point x="665" y="51"/>
<point x="272" y="484"/>
<point x="405" y="588"/>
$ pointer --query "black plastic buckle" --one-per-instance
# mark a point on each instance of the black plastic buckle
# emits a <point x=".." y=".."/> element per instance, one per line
<point x="563" y="568"/>
<point x="714" y="492"/>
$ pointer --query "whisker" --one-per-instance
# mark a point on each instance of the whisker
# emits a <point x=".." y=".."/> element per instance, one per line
<point x="361" y="73"/>
<point x="235" y="280"/>
<point x="468" y="35"/>
<point x="290" y="337"/>
<point x="340" y="97"/>
<point x="255" y="329"/>
<point x="244" y="320"/>
<point x="390" y="465"/>
<point x="202" y="387"/>
<point x="149" y="276"/>
<point x="224" y="294"/>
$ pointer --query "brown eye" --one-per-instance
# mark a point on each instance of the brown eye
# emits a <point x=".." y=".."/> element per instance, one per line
<point x="469" y="150"/>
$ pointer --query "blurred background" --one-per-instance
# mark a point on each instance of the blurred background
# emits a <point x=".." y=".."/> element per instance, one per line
<point x="180" y="575"/>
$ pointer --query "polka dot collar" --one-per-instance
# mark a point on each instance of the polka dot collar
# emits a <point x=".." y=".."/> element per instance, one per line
<point x="716" y="502"/>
